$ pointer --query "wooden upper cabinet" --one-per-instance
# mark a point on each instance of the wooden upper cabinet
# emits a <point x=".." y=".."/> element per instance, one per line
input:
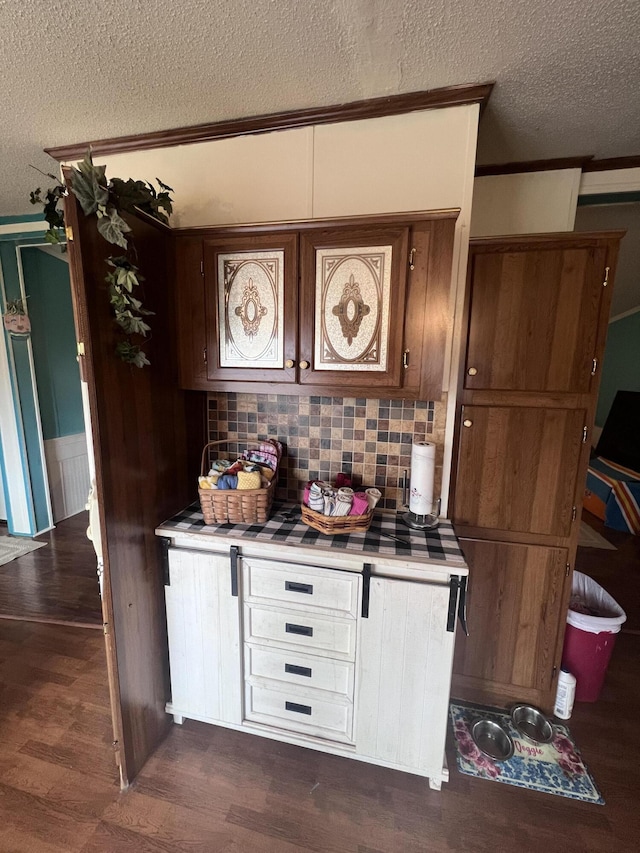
<point x="533" y="317"/>
<point x="250" y="286"/>
<point x="348" y="308"/>
<point x="517" y="468"/>
<point x="352" y="306"/>
<point x="514" y="612"/>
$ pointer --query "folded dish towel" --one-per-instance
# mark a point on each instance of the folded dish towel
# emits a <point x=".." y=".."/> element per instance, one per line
<point x="209" y="482"/>
<point x="329" y="505"/>
<point x="228" y="481"/>
<point x="249" y="480"/>
<point x="360" y="504"/>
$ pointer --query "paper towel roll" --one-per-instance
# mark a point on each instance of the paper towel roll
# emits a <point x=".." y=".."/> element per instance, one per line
<point x="423" y="462"/>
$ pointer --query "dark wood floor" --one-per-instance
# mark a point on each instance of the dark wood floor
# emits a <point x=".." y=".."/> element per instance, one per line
<point x="209" y="789"/>
<point x="57" y="583"/>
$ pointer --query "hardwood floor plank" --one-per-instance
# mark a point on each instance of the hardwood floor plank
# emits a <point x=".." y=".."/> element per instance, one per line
<point x="57" y="583"/>
<point x="45" y="821"/>
<point x="178" y="825"/>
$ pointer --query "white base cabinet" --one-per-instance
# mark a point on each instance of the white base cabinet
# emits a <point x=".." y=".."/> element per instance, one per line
<point x="328" y="652"/>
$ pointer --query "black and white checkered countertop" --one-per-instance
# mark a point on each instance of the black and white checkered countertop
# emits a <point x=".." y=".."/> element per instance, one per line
<point x="285" y="526"/>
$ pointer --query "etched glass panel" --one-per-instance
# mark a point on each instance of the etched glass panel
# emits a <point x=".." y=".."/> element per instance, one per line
<point x="352" y="308"/>
<point x="250" y="308"/>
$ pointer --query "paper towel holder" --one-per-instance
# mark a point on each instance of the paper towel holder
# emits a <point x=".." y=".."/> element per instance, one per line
<point x="412" y="519"/>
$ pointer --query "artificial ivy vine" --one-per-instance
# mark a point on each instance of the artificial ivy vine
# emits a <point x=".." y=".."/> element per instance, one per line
<point x="107" y="199"/>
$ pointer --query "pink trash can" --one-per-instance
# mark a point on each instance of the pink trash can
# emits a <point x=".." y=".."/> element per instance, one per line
<point x="589" y="639"/>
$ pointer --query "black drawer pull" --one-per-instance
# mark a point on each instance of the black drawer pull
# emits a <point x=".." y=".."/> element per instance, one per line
<point x="298" y="670"/>
<point x="292" y="586"/>
<point x="299" y="709"/>
<point x="304" y="630"/>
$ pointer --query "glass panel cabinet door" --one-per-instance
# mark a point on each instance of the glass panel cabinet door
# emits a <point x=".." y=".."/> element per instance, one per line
<point x="352" y="305"/>
<point x="250" y="285"/>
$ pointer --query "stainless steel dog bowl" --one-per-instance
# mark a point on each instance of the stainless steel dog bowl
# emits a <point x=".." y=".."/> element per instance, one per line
<point x="492" y="739"/>
<point x="532" y="724"/>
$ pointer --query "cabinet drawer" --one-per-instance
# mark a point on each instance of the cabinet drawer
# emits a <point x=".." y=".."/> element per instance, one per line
<point x="301" y="670"/>
<point x="330" y="636"/>
<point x="298" y="713"/>
<point x="296" y="585"/>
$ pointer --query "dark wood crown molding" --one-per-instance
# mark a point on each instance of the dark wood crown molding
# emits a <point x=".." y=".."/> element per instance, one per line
<point x="586" y="163"/>
<point x="611" y="163"/>
<point x="450" y="96"/>
<point x="533" y="166"/>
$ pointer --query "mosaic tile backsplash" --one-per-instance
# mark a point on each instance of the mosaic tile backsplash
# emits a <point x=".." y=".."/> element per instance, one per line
<point x="368" y="439"/>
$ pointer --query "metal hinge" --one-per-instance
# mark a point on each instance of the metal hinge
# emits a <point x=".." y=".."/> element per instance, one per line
<point x="106" y="628"/>
<point x="68" y="233"/>
<point x="567" y="570"/>
<point x="80" y="348"/>
<point x="204" y="355"/>
<point x="405" y="359"/>
<point x="585" y="433"/>
<point x="574" y="513"/>
<point x="554" y="672"/>
<point x="606" y="277"/>
<point x="594" y="366"/>
<point x="201" y="267"/>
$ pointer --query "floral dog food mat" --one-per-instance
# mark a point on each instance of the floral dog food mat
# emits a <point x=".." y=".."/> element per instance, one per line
<point x="554" y="768"/>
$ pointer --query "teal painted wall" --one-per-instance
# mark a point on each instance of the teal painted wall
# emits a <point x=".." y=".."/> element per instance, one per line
<point x="26" y="404"/>
<point x="54" y="343"/>
<point x="621" y="364"/>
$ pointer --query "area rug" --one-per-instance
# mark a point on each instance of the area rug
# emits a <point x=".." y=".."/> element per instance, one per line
<point x="554" y="768"/>
<point x="12" y="547"/>
<point x="589" y="538"/>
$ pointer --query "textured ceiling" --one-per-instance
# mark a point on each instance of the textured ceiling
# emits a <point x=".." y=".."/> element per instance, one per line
<point x="567" y="72"/>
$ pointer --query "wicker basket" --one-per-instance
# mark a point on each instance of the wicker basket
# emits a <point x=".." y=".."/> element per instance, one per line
<point x="235" y="506"/>
<point x="333" y="525"/>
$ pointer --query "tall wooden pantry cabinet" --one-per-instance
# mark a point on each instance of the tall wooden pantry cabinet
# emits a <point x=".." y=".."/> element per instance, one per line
<point x="536" y="313"/>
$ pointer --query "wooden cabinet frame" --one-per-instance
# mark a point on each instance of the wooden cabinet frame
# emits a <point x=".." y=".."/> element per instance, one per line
<point x="508" y="377"/>
<point x="422" y="329"/>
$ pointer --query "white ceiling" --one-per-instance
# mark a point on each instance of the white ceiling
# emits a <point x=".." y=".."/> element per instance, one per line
<point x="567" y="71"/>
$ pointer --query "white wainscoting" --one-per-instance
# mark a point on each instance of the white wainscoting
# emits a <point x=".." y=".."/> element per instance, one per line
<point x="68" y="469"/>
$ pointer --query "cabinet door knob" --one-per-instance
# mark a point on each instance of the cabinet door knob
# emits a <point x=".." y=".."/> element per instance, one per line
<point x="472" y="371"/>
<point x="466" y="422"/>
<point x="289" y="363"/>
<point x="304" y="365"/>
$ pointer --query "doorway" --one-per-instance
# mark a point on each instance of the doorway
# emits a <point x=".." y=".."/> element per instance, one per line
<point x="44" y="272"/>
<point x="45" y="460"/>
<point x="622" y="354"/>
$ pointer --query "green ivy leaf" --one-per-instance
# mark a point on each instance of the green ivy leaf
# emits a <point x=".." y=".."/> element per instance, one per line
<point x="130" y="194"/>
<point x="52" y="236"/>
<point x="132" y="325"/>
<point x="113" y="228"/>
<point x="88" y="183"/>
<point x="131" y="354"/>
